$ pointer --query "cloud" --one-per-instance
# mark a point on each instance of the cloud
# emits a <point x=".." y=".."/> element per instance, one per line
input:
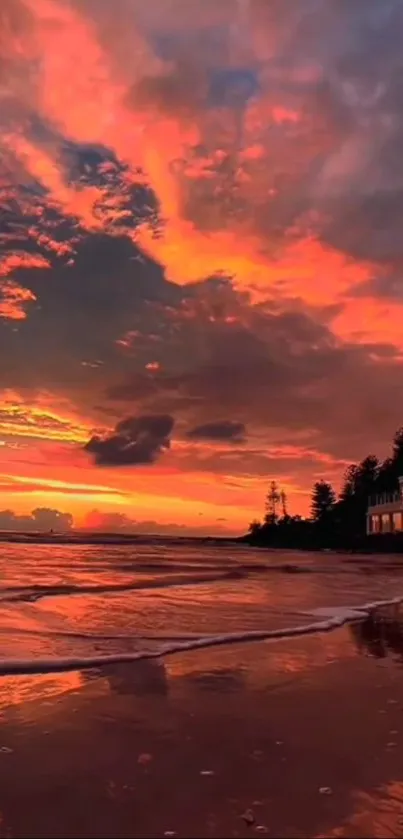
<point x="221" y="431"/>
<point x="20" y="420"/>
<point x="13" y="299"/>
<point x="42" y="519"/>
<point x="292" y="373"/>
<point x="137" y="440"/>
<point x="199" y="217"/>
<point x="247" y="108"/>
<point x="103" y="522"/>
<point x="19" y="484"/>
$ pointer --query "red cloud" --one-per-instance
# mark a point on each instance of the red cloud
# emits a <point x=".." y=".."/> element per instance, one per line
<point x="13" y="299"/>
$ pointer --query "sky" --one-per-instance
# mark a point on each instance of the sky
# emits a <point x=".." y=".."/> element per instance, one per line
<point x="201" y="205"/>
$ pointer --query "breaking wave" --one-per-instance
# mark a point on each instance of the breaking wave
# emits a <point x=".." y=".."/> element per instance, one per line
<point x="331" y="618"/>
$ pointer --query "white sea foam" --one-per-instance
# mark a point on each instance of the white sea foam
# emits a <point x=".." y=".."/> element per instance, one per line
<point x="333" y="617"/>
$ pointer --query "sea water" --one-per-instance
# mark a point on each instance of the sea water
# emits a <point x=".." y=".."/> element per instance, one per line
<point x="68" y="607"/>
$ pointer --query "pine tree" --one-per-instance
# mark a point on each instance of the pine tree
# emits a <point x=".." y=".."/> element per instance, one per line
<point x="283" y="499"/>
<point x="272" y="500"/>
<point x="323" y="501"/>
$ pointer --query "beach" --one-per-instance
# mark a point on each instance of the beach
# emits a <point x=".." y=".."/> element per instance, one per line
<point x="289" y="736"/>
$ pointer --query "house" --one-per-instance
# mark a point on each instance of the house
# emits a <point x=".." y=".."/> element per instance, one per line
<point x="385" y="512"/>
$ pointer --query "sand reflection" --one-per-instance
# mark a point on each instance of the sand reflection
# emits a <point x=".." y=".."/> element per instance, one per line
<point x="379" y="814"/>
<point x="17" y="691"/>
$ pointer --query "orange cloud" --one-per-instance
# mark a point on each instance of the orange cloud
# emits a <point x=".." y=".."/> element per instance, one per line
<point x="18" y="420"/>
<point x="44" y="168"/>
<point x="92" y="95"/>
<point x="15" y="261"/>
<point x="24" y="483"/>
<point x="13" y="299"/>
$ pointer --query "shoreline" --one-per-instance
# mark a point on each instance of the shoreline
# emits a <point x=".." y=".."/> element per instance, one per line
<point x="107" y="538"/>
<point x="259" y="740"/>
<point x="390" y="545"/>
<point x="333" y="619"/>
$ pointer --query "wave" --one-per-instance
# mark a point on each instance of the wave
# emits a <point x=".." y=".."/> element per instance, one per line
<point x="30" y="594"/>
<point x="332" y="618"/>
<point x="99" y="636"/>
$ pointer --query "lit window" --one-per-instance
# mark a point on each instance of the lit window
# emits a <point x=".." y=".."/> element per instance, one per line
<point x="386" y="528"/>
<point x="374" y="524"/>
<point x="397" y="521"/>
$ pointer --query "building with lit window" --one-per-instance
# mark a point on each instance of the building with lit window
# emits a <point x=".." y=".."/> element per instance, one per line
<point x="385" y="512"/>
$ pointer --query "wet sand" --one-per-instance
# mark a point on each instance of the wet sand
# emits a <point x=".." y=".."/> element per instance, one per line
<point x="306" y="734"/>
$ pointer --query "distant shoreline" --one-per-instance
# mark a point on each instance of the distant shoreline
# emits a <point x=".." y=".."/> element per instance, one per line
<point x="370" y="546"/>
<point x="81" y="538"/>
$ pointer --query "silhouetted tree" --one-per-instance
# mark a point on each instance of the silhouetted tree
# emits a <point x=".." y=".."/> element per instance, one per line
<point x="397" y="449"/>
<point x="254" y="527"/>
<point x="272" y="500"/>
<point x="347" y="489"/>
<point x="335" y="523"/>
<point x="322" y="501"/>
<point x="283" y="500"/>
<point x="366" y="475"/>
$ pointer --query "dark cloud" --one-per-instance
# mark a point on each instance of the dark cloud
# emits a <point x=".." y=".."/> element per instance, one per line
<point x="42" y="519"/>
<point x="221" y="431"/>
<point x="383" y="286"/>
<point x="81" y="309"/>
<point x="137" y="440"/>
<point x="338" y="68"/>
<point x="273" y="370"/>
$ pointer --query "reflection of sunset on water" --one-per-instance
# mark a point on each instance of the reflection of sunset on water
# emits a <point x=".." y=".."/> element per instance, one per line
<point x="268" y="663"/>
<point x="24" y="696"/>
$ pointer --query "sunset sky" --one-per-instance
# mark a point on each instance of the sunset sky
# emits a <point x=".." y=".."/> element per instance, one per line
<point x="201" y="210"/>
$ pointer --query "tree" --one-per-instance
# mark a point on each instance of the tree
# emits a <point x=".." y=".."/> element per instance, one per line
<point x="397" y="450"/>
<point x="392" y="468"/>
<point x="272" y="500"/>
<point x="366" y="475"/>
<point x="348" y="486"/>
<point x="338" y="524"/>
<point x="283" y="500"/>
<point x="322" y="501"/>
<point x="254" y="528"/>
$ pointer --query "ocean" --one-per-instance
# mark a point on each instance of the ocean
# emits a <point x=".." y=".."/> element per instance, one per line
<point x="173" y="688"/>
<point x="70" y="607"/>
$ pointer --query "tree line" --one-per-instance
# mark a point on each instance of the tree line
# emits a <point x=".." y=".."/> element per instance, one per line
<point x="336" y="521"/>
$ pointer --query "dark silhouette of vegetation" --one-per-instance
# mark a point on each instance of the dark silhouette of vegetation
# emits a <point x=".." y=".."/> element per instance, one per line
<point x="322" y="504"/>
<point x="272" y="502"/>
<point x="336" y="522"/>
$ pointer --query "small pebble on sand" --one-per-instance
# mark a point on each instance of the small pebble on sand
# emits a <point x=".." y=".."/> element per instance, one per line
<point x="248" y="817"/>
